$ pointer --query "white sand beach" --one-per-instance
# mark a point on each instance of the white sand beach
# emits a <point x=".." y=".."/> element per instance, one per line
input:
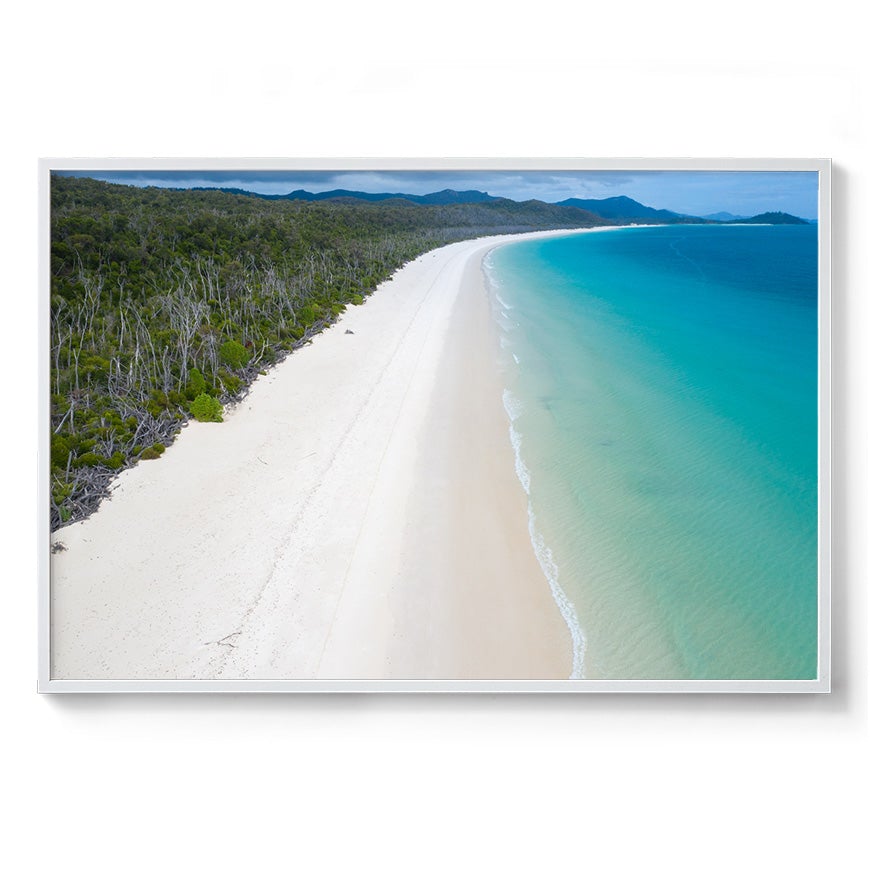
<point x="356" y="516"/>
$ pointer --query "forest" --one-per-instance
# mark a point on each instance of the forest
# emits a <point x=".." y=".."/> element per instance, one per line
<point x="166" y="304"/>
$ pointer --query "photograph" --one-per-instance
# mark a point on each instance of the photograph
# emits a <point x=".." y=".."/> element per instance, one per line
<point x="546" y="426"/>
<point x="448" y="436"/>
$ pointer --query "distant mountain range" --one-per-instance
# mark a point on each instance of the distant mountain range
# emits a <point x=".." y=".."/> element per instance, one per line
<point x="611" y="210"/>
<point x="441" y="197"/>
<point x="622" y="209"/>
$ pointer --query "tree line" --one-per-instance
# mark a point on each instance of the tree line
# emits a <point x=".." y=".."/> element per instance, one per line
<point x="166" y="304"/>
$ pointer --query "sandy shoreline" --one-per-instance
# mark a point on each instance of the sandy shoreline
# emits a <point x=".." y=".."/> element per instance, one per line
<point x="357" y="516"/>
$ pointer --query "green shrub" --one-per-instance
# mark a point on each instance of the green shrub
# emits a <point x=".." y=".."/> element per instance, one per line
<point x="149" y="453"/>
<point x="117" y="460"/>
<point x="230" y="382"/>
<point x="160" y="447"/>
<point x="207" y="409"/>
<point x="310" y="314"/>
<point x="160" y="398"/>
<point x="61" y="491"/>
<point x="357" y="299"/>
<point x="234" y="354"/>
<point x="195" y="384"/>
<point x="94" y="365"/>
<point x="158" y="403"/>
<point x="88" y="459"/>
<point x="60" y="448"/>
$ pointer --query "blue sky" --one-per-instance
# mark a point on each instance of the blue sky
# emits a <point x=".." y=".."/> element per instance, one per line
<point x="686" y="192"/>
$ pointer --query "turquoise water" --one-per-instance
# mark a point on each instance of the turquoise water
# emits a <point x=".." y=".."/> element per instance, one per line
<point x="662" y="390"/>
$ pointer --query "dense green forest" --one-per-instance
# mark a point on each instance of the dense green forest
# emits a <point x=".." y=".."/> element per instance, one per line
<point x="166" y="304"/>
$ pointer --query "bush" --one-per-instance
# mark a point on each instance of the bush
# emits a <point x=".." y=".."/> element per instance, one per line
<point x="230" y="382"/>
<point x="207" y="409"/>
<point x="60" y="492"/>
<point x="309" y="314"/>
<point x="158" y="403"/>
<point x="149" y="453"/>
<point x="160" y="398"/>
<point x="60" y="448"/>
<point x="234" y="354"/>
<point x="195" y="384"/>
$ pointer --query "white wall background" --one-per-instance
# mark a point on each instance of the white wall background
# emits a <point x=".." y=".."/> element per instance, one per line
<point x="600" y="782"/>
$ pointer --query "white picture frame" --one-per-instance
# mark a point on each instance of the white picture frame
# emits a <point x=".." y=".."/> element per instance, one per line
<point x="48" y="684"/>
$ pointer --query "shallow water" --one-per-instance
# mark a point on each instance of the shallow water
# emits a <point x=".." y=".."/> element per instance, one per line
<point x="662" y="390"/>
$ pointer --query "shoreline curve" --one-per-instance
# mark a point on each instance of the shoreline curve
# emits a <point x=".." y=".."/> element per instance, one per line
<point x="354" y="517"/>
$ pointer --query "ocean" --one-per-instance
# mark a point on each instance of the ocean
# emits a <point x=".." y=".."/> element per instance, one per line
<point x="661" y="398"/>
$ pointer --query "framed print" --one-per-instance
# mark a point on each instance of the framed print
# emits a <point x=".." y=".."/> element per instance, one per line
<point x="432" y="425"/>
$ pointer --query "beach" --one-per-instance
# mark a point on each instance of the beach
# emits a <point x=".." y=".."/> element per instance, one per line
<point x="661" y="383"/>
<point x="356" y="516"/>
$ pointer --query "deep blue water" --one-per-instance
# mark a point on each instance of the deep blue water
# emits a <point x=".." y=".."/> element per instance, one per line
<point x="663" y="388"/>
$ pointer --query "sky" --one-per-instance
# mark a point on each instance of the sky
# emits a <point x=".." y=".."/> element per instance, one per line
<point x="686" y="192"/>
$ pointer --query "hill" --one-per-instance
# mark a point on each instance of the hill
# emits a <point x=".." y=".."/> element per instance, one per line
<point x="441" y="197"/>
<point x="623" y="209"/>
<point x="611" y="210"/>
<point x="770" y="217"/>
